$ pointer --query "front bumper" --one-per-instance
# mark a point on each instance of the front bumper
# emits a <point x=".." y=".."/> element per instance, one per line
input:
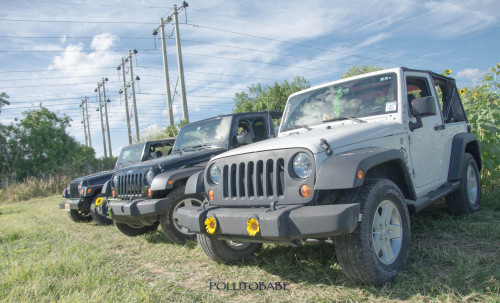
<point x="137" y="212"/>
<point x="285" y="223"/>
<point x="78" y="204"/>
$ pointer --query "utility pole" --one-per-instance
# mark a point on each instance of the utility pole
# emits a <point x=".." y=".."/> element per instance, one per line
<point x="179" y="63"/>
<point x="129" y="133"/>
<point x="132" y="80"/>
<point x="106" y="112"/>
<point x="165" y="70"/>
<point x="82" y="105"/>
<point x="88" y="122"/>
<point x="98" y="90"/>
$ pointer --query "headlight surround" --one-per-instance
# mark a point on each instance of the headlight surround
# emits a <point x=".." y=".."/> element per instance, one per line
<point x="302" y="165"/>
<point x="214" y="173"/>
<point x="149" y="177"/>
<point x="81" y="185"/>
<point x="115" y="181"/>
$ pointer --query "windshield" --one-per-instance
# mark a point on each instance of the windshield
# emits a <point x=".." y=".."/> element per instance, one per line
<point x="364" y="97"/>
<point x="203" y="133"/>
<point x="131" y="154"/>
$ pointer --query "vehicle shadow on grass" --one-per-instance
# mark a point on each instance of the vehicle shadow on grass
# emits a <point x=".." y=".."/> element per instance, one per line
<point x="440" y="264"/>
<point x="158" y="237"/>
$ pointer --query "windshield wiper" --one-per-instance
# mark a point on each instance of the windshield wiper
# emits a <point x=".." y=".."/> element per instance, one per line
<point x="344" y="118"/>
<point x="297" y="127"/>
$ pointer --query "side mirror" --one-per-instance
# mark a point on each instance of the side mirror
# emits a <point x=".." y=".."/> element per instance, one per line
<point x="244" y="139"/>
<point x="422" y="107"/>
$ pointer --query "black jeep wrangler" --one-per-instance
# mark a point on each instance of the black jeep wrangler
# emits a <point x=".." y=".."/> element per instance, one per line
<point x="84" y="193"/>
<point x="149" y="194"/>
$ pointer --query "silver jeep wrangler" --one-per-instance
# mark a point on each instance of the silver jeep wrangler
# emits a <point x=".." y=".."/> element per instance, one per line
<point x="352" y="160"/>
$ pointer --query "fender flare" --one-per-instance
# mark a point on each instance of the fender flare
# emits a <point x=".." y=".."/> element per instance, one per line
<point x="195" y="184"/>
<point x="160" y="181"/>
<point x="462" y="143"/>
<point x="340" y="171"/>
<point x="106" y="188"/>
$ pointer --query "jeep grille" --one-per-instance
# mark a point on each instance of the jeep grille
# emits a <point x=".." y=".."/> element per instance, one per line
<point x="129" y="185"/>
<point x="73" y="190"/>
<point x="263" y="178"/>
<point x="259" y="179"/>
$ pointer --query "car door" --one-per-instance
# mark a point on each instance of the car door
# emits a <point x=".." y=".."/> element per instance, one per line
<point x="427" y="149"/>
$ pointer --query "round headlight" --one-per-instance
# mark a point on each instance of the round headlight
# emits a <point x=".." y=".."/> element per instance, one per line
<point x="149" y="177"/>
<point x="115" y="180"/>
<point x="214" y="173"/>
<point x="302" y="165"/>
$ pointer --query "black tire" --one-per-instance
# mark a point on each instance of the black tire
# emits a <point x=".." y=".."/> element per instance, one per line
<point x="373" y="254"/>
<point x="80" y="216"/>
<point x="467" y="198"/>
<point x="227" y="252"/>
<point x="100" y="220"/>
<point x="135" y="230"/>
<point x="168" y="221"/>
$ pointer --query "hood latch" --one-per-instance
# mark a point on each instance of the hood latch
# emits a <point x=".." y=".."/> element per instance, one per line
<point x="325" y="146"/>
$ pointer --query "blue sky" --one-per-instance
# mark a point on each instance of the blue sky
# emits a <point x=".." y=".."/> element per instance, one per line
<point x="55" y="52"/>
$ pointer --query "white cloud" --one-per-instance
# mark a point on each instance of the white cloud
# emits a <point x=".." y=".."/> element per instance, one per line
<point x="473" y="74"/>
<point x="455" y="18"/>
<point x="104" y="41"/>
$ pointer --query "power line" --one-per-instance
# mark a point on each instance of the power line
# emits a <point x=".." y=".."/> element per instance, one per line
<point x="93" y="4"/>
<point x="51" y="85"/>
<point x="72" y="51"/>
<point x="258" y="62"/>
<point x="56" y="70"/>
<point x="290" y="43"/>
<point x="267" y="52"/>
<point x="74" y="37"/>
<point x="75" y="21"/>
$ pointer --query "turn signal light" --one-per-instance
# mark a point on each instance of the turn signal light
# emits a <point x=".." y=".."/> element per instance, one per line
<point x="170" y="182"/>
<point x="360" y="174"/>
<point x="89" y="190"/>
<point x="150" y="193"/>
<point x="211" y="195"/>
<point x="305" y="191"/>
<point x="113" y="193"/>
<point x="81" y="191"/>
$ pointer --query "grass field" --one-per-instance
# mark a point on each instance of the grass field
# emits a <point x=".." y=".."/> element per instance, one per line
<point x="46" y="257"/>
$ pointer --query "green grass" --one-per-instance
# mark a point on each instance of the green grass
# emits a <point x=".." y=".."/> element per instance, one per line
<point x="45" y="257"/>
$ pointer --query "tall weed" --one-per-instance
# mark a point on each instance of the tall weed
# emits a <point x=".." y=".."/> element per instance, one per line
<point x="32" y="187"/>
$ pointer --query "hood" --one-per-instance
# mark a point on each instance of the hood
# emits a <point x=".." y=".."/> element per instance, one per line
<point x="174" y="161"/>
<point x="97" y="178"/>
<point x="336" y="136"/>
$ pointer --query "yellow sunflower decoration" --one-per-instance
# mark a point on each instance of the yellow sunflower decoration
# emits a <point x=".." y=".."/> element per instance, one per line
<point x="210" y="225"/>
<point x="98" y="201"/>
<point x="447" y="71"/>
<point x="463" y="90"/>
<point x="253" y="227"/>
